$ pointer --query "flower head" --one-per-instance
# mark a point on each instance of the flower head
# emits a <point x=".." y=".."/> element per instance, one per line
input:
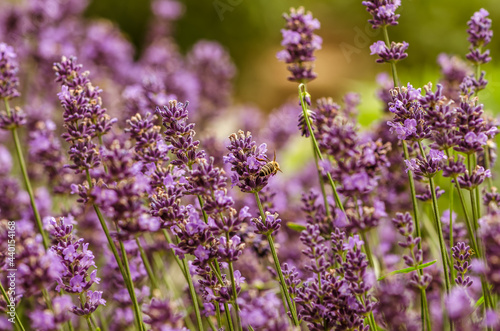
<point x="300" y="42"/>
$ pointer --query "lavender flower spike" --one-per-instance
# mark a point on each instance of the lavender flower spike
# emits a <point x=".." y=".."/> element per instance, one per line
<point x="9" y="82"/>
<point x="480" y="35"/>
<point x="300" y="42"/>
<point x="383" y="12"/>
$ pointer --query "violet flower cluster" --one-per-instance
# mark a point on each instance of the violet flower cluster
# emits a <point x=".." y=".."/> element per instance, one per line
<point x="300" y="42"/>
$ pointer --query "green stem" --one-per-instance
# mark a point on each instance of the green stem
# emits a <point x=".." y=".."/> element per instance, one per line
<point x="321" y="182"/>
<point x="89" y="324"/>
<point x="194" y="297"/>
<point x="135" y="303"/>
<point x="228" y="317"/>
<point x="302" y="95"/>
<point x="236" y="306"/>
<point x="442" y="246"/>
<point x="27" y="183"/>
<point x="425" y="309"/>
<point x="16" y="317"/>
<point x="104" y="323"/>
<point x="187" y="276"/>
<point x="413" y="196"/>
<point x="176" y="258"/>
<point x="217" y="315"/>
<point x="278" y="266"/>
<point x="147" y="265"/>
<point x="393" y="64"/>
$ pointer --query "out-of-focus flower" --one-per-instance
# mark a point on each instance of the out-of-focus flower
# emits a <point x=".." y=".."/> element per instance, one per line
<point x="300" y="42"/>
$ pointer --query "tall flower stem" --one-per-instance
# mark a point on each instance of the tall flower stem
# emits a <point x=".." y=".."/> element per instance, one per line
<point x="192" y="292"/>
<point x="18" y="323"/>
<point x="277" y="265"/>
<point x="395" y="77"/>
<point x="135" y="303"/>
<point x="27" y="183"/>
<point x="302" y="95"/>
<point x="125" y="274"/>
<point x="236" y="306"/>
<point x="147" y="265"/>
<point x="321" y="181"/>
<point x="187" y="275"/>
<point x="435" y="208"/>
<point x="442" y="246"/>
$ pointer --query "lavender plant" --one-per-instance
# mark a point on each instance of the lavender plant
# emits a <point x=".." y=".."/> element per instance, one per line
<point x="135" y="217"/>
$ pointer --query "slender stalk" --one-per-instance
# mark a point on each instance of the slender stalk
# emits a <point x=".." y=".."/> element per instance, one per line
<point x="147" y="265"/>
<point x="89" y="324"/>
<point x="302" y="95"/>
<point x="228" y="317"/>
<point x="413" y="196"/>
<point x="135" y="303"/>
<point x="217" y="315"/>
<point x="393" y="64"/>
<point x="236" y="306"/>
<point x="27" y="183"/>
<point x="321" y="182"/>
<point x="192" y="292"/>
<point x="442" y="246"/>
<point x="176" y="258"/>
<point x="187" y="275"/>
<point x="277" y="265"/>
<point x="16" y="317"/>
<point x="104" y="323"/>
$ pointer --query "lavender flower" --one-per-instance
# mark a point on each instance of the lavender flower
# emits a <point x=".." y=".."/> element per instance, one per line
<point x="179" y="133"/>
<point x="246" y="161"/>
<point x="161" y="314"/>
<point x="77" y="260"/>
<point x="300" y="42"/>
<point x="476" y="178"/>
<point x="426" y="167"/>
<point x="394" y="53"/>
<point x="9" y="82"/>
<point x="83" y="115"/>
<point x="270" y="225"/>
<point x="214" y="69"/>
<point x="404" y="224"/>
<point x="453" y="71"/>
<point x="383" y="12"/>
<point x="462" y="254"/>
<point x="480" y="35"/>
<point x="489" y="233"/>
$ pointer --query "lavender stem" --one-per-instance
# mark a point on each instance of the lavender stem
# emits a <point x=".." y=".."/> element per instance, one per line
<point x="302" y="95"/>
<point x="187" y="275"/>
<point x="147" y="265"/>
<point x="277" y="264"/>
<point x="27" y="183"/>
<point x="6" y="297"/>
<point x="135" y="303"/>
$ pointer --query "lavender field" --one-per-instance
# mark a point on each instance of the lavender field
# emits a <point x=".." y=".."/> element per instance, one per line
<point x="138" y="193"/>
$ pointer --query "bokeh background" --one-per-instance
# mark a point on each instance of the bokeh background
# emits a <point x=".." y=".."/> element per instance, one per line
<point x="250" y="30"/>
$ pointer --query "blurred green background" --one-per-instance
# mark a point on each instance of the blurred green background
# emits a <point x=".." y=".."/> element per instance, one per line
<point x="250" y="30"/>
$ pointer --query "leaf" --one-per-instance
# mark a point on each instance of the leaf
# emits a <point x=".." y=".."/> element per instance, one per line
<point x="296" y="227"/>
<point x="479" y="302"/>
<point x="250" y="328"/>
<point x="407" y="270"/>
